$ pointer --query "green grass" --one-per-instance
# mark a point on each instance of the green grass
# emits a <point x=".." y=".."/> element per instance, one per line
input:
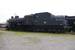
<point x="39" y="33"/>
<point x="35" y="35"/>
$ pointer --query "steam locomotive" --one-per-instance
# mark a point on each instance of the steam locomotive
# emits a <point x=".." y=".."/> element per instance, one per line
<point x="42" y="22"/>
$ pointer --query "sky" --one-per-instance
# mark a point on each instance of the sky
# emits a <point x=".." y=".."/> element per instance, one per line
<point x="10" y="8"/>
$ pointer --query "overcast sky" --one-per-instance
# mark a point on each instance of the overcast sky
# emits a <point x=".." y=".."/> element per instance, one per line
<point x="24" y="7"/>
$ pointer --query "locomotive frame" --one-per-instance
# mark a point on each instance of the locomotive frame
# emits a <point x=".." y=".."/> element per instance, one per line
<point x="42" y="22"/>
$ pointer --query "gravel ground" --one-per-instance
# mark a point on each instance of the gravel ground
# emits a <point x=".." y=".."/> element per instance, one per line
<point x="36" y="41"/>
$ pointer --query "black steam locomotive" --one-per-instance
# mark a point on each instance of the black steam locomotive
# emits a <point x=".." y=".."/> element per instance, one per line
<point x="42" y="22"/>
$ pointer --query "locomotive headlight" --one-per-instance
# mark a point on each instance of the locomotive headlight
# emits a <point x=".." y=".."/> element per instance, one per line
<point x="44" y="22"/>
<point x="73" y="22"/>
<point x="61" y="24"/>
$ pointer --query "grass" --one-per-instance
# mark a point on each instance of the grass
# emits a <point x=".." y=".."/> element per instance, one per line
<point x="19" y="39"/>
<point x="38" y="33"/>
<point x="34" y="36"/>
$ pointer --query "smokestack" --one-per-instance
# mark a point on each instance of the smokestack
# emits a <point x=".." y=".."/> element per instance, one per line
<point x="16" y="17"/>
<point x="12" y="17"/>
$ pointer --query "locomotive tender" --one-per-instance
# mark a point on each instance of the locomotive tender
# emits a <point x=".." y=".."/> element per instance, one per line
<point x="42" y="22"/>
